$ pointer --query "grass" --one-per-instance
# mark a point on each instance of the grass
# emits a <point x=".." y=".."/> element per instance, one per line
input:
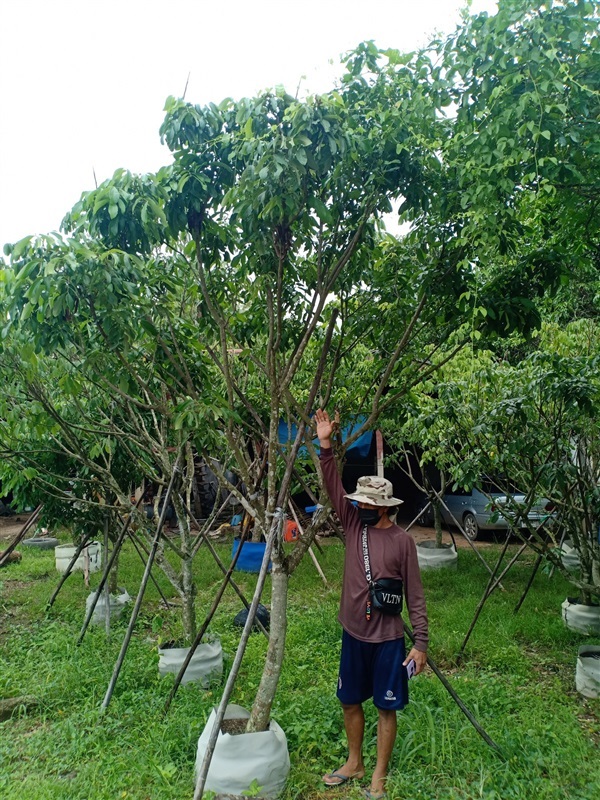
<point x="517" y="676"/>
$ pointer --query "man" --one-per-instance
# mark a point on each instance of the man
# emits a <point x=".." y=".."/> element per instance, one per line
<point x="373" y="660"/>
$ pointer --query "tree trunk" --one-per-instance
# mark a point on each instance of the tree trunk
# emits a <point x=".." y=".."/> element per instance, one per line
<point x="113" y="578"/>
<point x="437" y="521"/>
<point x="596" y="568"/>
<point x="261" y="710"/>
<point x="188" y="596"/>
<point x="188" y="587"/>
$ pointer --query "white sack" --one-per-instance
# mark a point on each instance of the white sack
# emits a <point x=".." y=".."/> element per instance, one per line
<point x="206" y="663"/>
<point x="240" y="759"/>
<point x="587" y="675"/>
<point x="581" y="618"/>
<point x="116" y="605"/>
<point x="430" y="556"/>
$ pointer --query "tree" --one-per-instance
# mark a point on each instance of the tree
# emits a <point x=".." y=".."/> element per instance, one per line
<point x="533" y="427"/>
<point x="198" y="326"/>
<point x="65" y="442"/>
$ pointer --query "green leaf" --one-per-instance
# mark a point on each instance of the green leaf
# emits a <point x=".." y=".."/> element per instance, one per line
<point x="322" y="211"/>
<point x="149" y="327"/>
<point x="19" y="248"/>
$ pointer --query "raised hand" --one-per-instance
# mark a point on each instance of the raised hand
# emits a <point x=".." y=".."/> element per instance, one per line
<point x="324" y="427"/>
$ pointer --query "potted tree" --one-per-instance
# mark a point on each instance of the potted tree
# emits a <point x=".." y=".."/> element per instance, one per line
<point x="421" y="452"/>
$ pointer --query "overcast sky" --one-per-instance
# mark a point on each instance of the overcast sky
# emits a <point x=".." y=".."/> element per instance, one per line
<point x="83" y="83"/>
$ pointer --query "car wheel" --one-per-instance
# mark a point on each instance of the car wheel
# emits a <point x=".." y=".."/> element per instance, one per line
<point x="470" y="526"/>
<point x="425" y="514"/>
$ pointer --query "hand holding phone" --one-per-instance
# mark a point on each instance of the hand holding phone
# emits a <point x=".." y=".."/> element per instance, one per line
<point x="411" y="668"/>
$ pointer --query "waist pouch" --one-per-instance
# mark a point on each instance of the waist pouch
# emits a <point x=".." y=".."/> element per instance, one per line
<point x="386" y="595"/>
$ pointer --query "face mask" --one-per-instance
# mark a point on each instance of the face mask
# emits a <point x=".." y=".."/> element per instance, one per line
<point x="368" y="516"/>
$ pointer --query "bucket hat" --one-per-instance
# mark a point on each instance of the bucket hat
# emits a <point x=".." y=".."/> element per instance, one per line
<point x="374" y="490"/>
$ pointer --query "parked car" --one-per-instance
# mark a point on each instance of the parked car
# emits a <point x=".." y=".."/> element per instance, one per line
<point x="480" y="509"/>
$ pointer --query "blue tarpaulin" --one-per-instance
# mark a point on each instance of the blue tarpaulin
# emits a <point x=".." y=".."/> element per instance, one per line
<point x="360" y="447"/>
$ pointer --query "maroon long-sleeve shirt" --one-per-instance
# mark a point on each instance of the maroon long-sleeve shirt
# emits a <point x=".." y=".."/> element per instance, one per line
<point x="392" y="553"/>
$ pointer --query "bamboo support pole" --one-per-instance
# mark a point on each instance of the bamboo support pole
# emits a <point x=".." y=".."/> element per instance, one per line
<point x="104" y="578"/>
<point x="560" y="544"/>
<point x="488" y="590"/>
<point x="139" y="545"/>
<point x="536" y="566"/>
<point x="107" y="586"/>
<point x="421" y="512"/>
<point x="200" y="538"/>
<point x="310" y="550"/>
<point x="460" y="528"/>
<point x="223" y="569"/>
<point x="142" y="589"/>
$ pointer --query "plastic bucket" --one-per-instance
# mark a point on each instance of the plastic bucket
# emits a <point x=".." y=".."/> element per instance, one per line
<point x="91" y="553"/>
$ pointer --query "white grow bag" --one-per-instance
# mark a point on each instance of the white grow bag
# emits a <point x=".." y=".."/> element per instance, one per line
<point x="584" y="619"/>
<point x="430" y="556"/>
<point x="240" y="759"/>
<point x="587" y="673"/>
<point x="91" y="553"/>
<point x="116" y="606"/>
<point x="206" y="663"/>
<point x="569" y="556"/>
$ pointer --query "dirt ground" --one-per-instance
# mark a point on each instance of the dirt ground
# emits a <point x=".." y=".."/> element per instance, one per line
<point x="10" y="527"/>
<point x="420" y="533"/>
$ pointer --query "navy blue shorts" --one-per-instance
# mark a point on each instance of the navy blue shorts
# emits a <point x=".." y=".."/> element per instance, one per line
<point x="373" y="670"/>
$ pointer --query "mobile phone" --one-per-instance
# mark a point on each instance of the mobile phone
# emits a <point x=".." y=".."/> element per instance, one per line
<point x="411" y="668"/>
